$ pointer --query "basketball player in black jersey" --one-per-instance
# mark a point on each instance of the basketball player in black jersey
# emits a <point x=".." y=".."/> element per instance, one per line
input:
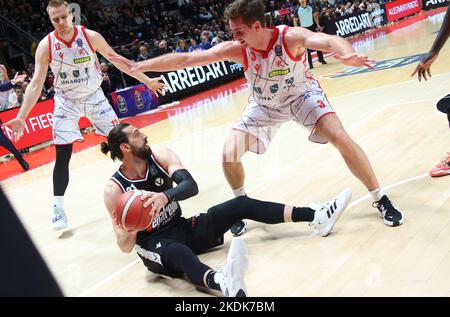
<point x="169" y="246"/>
<point x="424" y="68"/>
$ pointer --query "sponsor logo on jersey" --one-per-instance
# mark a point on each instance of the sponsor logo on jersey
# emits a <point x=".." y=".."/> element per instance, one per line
<point x="166" y="214"/>
<point x="81" y="60"/>
<point x="289" y="82"/>
<point x="280" y="63"/>
<point x="273" y="88"/>
<point x="309" y="94"/>
<point x="278" y="50"/>
<point x="266" y="98"/>
<point x="279" y="72"/>
<point x="258" y="90"/>
<point x="105" y="111"/>
<point x="159" y="182"/>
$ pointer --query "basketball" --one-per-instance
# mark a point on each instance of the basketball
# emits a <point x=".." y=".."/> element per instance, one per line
<point x="131" y="213"/>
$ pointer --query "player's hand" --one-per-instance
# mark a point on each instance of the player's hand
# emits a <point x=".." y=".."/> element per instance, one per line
<point x="118" y="224"/>
<point x="355" y="59"/>
<point x="424" y="66"/>
<point x="19" y="78"/>
<point x="158" y="200"/>
<point x="156" y="85"/>
<point x="18" y="126"/>
<point x="132" y="66"/>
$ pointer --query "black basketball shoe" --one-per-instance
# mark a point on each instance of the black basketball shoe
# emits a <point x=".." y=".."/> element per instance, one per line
<point x="239" y="228"/>
<point x="392" y="216"/>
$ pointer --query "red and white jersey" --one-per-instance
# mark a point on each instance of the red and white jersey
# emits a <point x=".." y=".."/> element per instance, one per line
<point x="74" y="64"/>
<point x="276" y="78"/>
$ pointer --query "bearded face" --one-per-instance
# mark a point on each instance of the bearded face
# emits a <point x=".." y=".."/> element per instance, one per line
<point x="143" y="152"/>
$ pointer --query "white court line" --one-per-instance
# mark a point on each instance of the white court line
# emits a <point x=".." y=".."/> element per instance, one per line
<point x="387" y="188"/>
<point x="111" y="277"/>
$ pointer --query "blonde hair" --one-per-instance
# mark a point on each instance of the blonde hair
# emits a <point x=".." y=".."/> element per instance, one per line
<point x="57" y="3"/>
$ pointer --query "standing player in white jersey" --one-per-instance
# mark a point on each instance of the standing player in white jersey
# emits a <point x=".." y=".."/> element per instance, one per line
<point x="71" y="53"/>
<point x="282" y="89"/>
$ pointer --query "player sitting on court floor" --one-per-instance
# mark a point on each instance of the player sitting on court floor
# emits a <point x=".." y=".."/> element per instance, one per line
<point x="170" y="244"/>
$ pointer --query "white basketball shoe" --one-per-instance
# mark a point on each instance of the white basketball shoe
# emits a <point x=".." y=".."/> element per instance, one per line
<point x="328" y="213"/>
<point x="232" y="283"/>
<point x="59" y="220"/>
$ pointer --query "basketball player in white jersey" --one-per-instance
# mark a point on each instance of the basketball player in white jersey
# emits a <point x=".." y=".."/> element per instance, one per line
<point x="8" y="99"/>
<point x="282" y="89"/>
<point x="70" y="51"/>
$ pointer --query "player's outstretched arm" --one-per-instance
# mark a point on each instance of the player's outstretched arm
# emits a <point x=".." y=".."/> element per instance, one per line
<point x="34" y="89"/>
<point x="228" y="50"/>
<point x="99" y="44"/>
<point x="331" y="43"/>
<point x="424" y="67"/>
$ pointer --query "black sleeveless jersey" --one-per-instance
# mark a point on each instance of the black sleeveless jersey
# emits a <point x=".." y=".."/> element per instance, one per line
<point x="156" y="180"/>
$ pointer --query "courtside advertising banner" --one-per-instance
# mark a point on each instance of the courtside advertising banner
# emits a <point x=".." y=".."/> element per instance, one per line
<point x="430" y="4"/>
<point x="187" y="81"/>
<point x="38" y="125"/>
<point x="350" y="25"/>
<point x="133" y="100"/>
<point x="402" y="8"/>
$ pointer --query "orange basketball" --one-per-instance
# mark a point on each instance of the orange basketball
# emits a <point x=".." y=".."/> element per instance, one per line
<point x="131" y="213"/>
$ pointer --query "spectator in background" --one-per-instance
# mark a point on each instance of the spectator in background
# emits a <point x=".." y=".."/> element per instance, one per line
<point x="4" y="140"/>
<point x="194" y="46"/>
<point x="108" y="84"/>
<point x="8" y="98"/>
<point x="143" y="54"/>
<point x="182" y="46"/>
<point x="205" y="45"/>
<point x="204" y="15"/>
<point x="219" y="38"/>
<point x="304" y="17"/>
<point x="163" y="49"/>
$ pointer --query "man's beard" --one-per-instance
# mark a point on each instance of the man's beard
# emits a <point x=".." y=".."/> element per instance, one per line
<point x="143" y="152"/>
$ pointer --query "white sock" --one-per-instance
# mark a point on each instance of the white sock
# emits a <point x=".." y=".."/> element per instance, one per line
<point x="58" y="201"/>
<point x="239" y="191"/>
<point x="218" y="277"/>
<point x="377" y="193"/>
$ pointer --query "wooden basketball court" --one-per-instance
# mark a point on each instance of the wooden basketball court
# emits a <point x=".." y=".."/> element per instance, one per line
<point x="391" y="115"/>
